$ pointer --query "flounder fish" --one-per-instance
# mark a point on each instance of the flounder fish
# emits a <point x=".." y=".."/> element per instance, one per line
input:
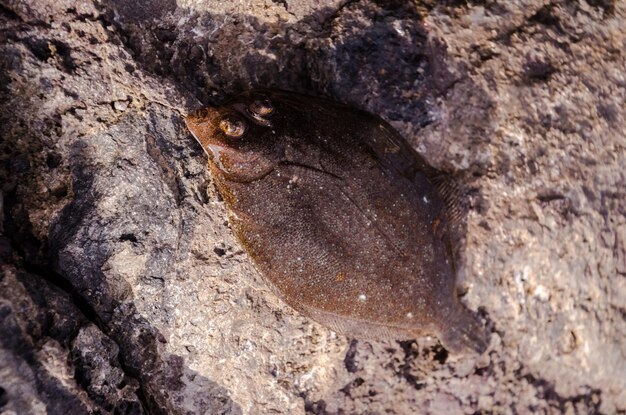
<point x="345" y="221"/>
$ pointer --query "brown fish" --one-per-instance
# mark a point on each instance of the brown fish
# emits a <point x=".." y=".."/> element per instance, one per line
<point x="343" y="218"/>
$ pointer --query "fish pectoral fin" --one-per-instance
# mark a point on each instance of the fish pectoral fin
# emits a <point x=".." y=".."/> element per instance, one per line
<point x="311" y="168"/>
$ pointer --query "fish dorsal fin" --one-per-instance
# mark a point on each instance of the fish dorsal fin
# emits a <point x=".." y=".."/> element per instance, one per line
<point x="450" y="193"/>
<point x="395" y="153"/>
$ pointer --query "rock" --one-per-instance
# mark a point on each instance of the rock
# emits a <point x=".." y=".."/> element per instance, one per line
<point x="124" y="291"/>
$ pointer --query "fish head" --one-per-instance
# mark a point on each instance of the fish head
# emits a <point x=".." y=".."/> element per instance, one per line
<point x="239" y="137"/>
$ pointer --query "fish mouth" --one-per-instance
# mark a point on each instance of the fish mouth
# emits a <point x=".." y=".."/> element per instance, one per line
<point x="200" y="124"/>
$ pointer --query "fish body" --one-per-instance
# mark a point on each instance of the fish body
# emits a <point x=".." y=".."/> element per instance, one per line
<point x="346" y="222"/>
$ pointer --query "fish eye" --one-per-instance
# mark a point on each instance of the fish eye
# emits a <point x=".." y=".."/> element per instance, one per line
<point x="261" y="108"/>
<point x="232" y="127"/>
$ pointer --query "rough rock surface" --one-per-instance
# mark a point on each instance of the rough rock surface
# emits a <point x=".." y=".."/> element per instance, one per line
<point x="122" y="289"/>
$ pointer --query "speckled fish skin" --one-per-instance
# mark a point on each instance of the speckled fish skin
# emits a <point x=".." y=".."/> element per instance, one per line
<point x="341" y="216"/>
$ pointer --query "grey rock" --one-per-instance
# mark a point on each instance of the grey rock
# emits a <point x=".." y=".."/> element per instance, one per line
<point x="124" y="291"/>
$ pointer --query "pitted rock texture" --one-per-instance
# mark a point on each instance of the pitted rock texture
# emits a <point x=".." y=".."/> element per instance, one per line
<point x="123" y="289"/>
